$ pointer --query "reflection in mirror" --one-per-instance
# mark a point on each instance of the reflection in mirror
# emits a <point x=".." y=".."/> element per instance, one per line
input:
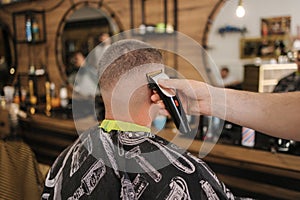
<point x="81" y="33"/>
<point x="6" y="56"/>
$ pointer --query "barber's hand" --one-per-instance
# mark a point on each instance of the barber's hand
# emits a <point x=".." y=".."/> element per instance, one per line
<point x="194" y="95"/>
<point x="156" y="99"/>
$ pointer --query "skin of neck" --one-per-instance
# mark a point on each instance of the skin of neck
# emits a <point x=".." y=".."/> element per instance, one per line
<point x="134" y="108"/>
<point x="129" y="98"/>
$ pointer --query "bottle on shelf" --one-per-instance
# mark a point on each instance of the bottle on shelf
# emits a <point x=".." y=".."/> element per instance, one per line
<point x="17" y="98"/>
<point x="35" y="30"/>
<point x="23" y="94"/>
<point x="9" y="92"/>
<point x="32" y="97"/>
<point x="55" y="101"/>
<point x="28" y="29"/>
<point x="63" y="95"/>
<point x="48" y="99"/>
<point x="31" y="70"/>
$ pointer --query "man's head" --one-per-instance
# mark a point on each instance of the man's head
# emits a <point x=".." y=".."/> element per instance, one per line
<point x="224" y="72"/>
<point x="78" y="59"/>
<point x="104" y="39"/>
<point x="123" y="81"/>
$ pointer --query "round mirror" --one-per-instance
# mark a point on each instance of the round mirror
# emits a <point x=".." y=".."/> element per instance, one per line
<point x="7" y="56"/>
<point x="80" y="31"/>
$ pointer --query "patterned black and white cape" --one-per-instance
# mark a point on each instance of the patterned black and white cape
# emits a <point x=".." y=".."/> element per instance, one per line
<point x="128" y="166"/>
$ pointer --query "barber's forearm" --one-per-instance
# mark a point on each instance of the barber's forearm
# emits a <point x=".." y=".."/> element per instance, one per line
<point x="244" y="108"/>
<point x="273" y="114"/>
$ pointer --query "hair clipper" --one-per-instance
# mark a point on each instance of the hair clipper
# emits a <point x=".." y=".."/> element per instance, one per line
<point x="171" y="101"/>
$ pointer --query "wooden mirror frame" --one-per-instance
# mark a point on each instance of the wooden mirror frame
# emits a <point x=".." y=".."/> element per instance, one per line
<point x="210" y="21"/>
<point x="76" y="6"/>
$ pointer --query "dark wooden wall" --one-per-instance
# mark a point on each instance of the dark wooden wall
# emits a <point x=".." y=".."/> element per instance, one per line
<point x="192" y="18"/>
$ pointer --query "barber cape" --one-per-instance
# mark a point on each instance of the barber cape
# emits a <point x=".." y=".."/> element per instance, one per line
<point x="128" y="162"/>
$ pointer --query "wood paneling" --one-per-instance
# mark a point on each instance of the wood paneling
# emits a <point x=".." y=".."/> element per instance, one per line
<point x="192" y="16"/>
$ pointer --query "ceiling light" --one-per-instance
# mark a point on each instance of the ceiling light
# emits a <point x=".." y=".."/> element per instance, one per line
<point x="240" y="10"/>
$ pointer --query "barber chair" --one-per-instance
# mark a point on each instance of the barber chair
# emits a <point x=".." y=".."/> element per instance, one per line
<point x="20" y="177"/>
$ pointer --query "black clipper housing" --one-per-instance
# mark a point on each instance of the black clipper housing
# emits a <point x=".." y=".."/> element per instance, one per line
<point x="171" y="101"/>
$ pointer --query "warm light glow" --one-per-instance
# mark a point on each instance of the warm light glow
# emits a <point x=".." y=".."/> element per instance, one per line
<point x="12" y="70"/>
<point x="240" y="10"/>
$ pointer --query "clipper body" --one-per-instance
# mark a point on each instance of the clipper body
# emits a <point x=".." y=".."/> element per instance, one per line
<point x="171" y="101"/>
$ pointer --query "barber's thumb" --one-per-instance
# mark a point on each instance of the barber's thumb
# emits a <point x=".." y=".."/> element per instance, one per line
<point x="167" y="83"/>
<point x="176" y="84"/>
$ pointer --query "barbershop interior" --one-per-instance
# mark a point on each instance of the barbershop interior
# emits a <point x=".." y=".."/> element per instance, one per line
<point x="243" y="45"/>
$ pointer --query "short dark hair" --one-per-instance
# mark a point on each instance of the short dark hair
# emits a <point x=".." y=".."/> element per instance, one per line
<point x="123" y="56"/>
<point x="225" y="68"/>
<point x="77" y="52"/>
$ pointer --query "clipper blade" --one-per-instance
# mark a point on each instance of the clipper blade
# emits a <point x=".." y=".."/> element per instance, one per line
<point x="153" y="74"/>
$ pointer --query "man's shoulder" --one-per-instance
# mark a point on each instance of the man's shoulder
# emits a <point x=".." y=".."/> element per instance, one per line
<point x="287" y="77"/>
<point x="83" y="140"/>
<point x="74" y="164"/>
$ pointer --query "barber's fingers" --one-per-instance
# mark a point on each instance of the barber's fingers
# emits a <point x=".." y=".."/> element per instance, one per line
<point x="155" y="97"/>
<point x="188" y="106"/>
<point x="195" y="95"/>
<point x="183" y="86"/>
<point x="178" y="84"/>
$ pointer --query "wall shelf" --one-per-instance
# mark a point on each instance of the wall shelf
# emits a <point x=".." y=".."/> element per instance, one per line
<point x="29" y="27"/>
<point x="161" y="32"/>
<point x="160" y="27"/>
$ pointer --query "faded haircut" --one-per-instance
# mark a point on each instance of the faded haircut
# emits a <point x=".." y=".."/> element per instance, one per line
<point x="123" y="56"/>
